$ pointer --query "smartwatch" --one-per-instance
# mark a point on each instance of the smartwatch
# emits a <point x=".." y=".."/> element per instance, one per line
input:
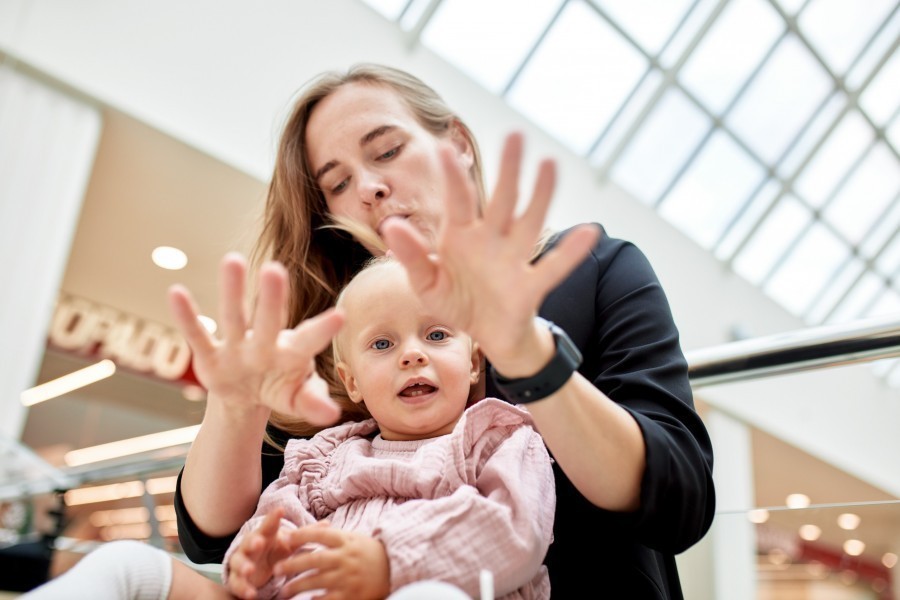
<point x="550" y="378"/>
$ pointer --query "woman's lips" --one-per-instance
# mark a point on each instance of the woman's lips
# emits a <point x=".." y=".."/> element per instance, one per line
<point x="380" y="228"/>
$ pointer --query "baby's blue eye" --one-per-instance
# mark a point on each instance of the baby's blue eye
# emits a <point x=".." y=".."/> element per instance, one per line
<point x="381" y="344"/>
<point x="437" y="336"/>
<point x="390" y="153"/>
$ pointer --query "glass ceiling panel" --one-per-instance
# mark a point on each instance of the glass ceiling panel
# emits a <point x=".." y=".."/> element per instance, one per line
<point x="879" y="47"/>
<point x="634" y="17"/>
<point x="888" y="303"/>
<point x="791" y="6"/>
<point x="389" y="8"/>
<point x="886" y="227"/>
<point x="613" y="136"/>
<point x="807" y="269"/>
<point x="835" y="290"/>
<point x="730" y="52"/>
<point x="857" y="302"/>
<point x="578" y="77"/>
<point x="700" y="12"/>
<point x="491" y="47"/>
<point x="662" y="145"/>
<point x="838" y="29"/>
<point x="893" y="133"/>
<point x="808" y="138"/>
<point x="780" y="100"/>
<point x="888" y="262"/>
<point x="657" y="140"/>
<point x="747" y="220"/>
<point x="881" y="99"/>
<point x="715" y="185"/>
<point x="774" y="236"/>
<point x="414" y="13"/>
<point x="866" y="194"/>
<point x="842" y="148"/>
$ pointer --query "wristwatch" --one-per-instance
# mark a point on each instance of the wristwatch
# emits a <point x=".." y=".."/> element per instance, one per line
<point x="550" y="378"/>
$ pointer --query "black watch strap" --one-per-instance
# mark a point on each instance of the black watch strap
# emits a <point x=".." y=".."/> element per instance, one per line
<point x="550" y="378"/>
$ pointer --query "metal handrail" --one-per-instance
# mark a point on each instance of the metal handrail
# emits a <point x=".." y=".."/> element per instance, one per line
<point x="794" y="351"/>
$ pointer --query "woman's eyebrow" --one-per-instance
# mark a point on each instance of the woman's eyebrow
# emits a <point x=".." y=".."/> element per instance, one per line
<point x="366" y="139"/>
<point x="378" y="131"/>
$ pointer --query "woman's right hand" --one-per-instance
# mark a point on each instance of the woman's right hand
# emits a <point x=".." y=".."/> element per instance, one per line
<point x="259" y="363"/>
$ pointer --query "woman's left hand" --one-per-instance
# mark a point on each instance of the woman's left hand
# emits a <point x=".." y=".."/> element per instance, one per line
<point x="480" y="275"/>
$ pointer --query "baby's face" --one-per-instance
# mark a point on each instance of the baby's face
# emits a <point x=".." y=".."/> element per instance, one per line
<point x="412" y="371"/>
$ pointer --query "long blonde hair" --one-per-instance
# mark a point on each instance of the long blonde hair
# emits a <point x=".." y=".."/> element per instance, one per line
<point x="322" y="254"/>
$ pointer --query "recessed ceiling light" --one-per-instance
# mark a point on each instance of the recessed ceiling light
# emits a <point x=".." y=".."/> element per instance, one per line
<point x="810" y="532"/>
<point x="848" y="521"/>
<point x="797" y="501"/>
<point x="854" y="547"/>
<point x="758" y="515"/>
<point x="167" y="257"/>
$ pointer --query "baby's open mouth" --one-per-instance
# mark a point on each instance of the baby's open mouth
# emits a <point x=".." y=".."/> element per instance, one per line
<point x="417" y="389"/>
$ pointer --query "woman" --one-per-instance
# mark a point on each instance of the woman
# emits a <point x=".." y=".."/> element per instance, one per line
<point x="377" y="148"/>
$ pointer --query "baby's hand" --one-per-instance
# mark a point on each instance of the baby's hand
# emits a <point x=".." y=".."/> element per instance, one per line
<point x="345" y="564"/>
<point x="251" y="565"/>
<point x="255" y="363"/>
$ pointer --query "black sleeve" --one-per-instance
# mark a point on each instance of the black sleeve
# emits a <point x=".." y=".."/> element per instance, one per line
<point x="615" y="310"/>
<point x="637" y="361"/>
<point x="197" y="545"/>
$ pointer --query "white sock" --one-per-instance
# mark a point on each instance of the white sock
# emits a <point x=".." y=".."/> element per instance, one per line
<point x="122" y="570"/>
<point x="429" y="590"/>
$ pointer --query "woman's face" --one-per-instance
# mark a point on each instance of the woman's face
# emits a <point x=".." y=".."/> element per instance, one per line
<point x="372" y="158"/>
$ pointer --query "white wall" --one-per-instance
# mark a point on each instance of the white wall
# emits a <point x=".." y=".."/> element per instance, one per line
<point x="47" y="145"/>
<point x="219" y="74"/>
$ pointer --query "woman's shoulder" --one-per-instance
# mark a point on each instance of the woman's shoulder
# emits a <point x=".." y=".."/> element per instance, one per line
<point x="607" y="247"/>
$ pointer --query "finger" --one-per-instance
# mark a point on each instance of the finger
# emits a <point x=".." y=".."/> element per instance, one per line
<point x="183" y="308"/>
<point x="308" y="399"/>
<point x="232" y="275"/>
<point x="460" y="199"/>
<point x="317" y="534"/>
<point x="411" y="249"/>
<point x="318" y="407"/>
<point x="532" y="219"/>
<point x="316" y="580"/>
<point x="313" y="335"/>
<point x="558" y="262"/>
<point x="268" y="529"/>
<point x="269" y="317"/>
<point x="240" y="587"/>
<point x="506" y="192"/>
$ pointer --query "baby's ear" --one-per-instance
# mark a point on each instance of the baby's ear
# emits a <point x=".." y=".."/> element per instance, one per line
<point x="477" y="364"/>
<point x="349" y="381"/>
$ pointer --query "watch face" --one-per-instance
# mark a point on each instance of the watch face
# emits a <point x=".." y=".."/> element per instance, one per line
<point x="565" y="346"/>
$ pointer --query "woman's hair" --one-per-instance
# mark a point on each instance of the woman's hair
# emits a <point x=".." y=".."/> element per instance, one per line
<point x="319" y="252"/>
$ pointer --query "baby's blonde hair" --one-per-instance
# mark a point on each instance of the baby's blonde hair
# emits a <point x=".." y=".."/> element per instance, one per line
<point x="373" y="264"/>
